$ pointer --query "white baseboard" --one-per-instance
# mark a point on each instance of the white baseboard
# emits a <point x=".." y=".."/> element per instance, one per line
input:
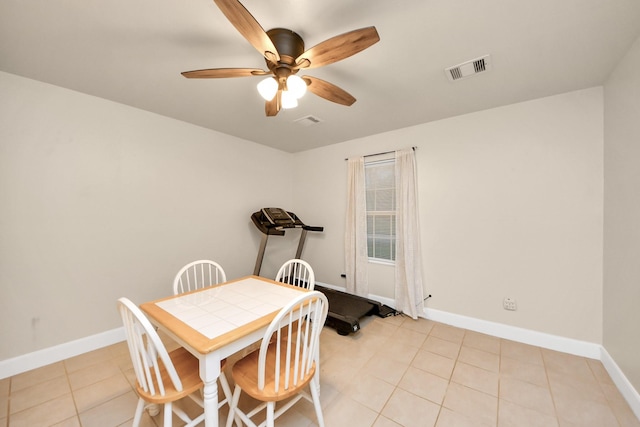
<point x="46" y="356"/>
<point x="620" y="380"/>
<point x="514" y="333"/>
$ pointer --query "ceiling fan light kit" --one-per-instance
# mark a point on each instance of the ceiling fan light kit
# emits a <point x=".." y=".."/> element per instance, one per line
<point x="296" y="86"/>
<point x="289" y="100"/>
<point x="267" y="88"/>
<point x="285" y="55"/>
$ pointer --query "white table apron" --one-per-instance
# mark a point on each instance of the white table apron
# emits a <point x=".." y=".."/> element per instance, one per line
<point x="215" y="313"/>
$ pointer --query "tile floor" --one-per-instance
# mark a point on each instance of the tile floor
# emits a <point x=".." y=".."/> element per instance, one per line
<point x="394" y="372"/>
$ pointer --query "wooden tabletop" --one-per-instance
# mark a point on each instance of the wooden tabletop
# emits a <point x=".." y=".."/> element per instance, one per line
<point x="213" y="317"/>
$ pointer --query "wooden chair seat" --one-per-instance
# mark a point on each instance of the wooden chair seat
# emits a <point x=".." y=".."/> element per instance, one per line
<point x="187" y="367"/>
<point x="245" y="375"/>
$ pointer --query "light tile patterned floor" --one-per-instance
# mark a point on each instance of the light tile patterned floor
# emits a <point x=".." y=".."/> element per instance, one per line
<point x="394" y="372"/>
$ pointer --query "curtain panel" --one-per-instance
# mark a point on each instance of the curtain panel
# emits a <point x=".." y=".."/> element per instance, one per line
<point x="409" y="294"/>
<point x="355" y="237"/>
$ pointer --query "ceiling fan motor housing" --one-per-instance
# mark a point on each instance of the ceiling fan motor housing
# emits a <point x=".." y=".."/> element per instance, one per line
<point x="288" y="43"/>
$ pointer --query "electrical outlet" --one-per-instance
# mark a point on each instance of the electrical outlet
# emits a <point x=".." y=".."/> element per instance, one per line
<point x="509" y="304"/>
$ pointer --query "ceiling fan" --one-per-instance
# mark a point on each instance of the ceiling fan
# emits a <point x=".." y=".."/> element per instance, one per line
<point x="284" y="53"/>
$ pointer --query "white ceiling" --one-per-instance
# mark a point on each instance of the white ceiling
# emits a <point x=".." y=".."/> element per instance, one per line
<point x="132" y="52"/>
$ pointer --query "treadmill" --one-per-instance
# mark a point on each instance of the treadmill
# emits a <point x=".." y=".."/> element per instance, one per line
<point x="345" y="309"/>
<point x="274" y="222"/>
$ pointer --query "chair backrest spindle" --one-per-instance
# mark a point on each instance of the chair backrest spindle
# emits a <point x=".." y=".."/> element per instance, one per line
<point x="197" y="275"/>
<point x="297" y="272"/>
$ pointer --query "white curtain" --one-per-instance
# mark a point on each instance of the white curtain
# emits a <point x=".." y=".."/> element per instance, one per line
<point x="355" y="238"/>
<point x="408" y="272"/>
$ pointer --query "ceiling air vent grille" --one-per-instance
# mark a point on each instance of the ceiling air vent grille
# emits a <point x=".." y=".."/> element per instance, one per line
<point x="469" y="68"/>
<point x="308" y="121"/>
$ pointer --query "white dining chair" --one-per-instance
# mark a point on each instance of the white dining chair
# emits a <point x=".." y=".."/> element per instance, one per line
<point x="297" y="272"/>
<point x="197" y="275"/>
<point x="162" y="378"/>
<point x="285" y="364"/>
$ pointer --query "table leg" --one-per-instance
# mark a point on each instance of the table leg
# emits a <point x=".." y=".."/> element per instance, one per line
<point x="209" y="372"/>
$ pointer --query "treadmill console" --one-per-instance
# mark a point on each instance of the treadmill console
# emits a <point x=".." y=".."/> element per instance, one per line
<point x="274" y="220"/>
<point x="279" y="217"/>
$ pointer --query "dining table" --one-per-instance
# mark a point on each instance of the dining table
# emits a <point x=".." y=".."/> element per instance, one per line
<point x="215" y="322"/>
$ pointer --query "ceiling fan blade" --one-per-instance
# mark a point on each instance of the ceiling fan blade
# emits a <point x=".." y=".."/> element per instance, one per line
<point x="250" y="29"/>
<point x="328" y="91"/>
<point x="217" y="73"/>
<point x="271" y="108"/>
<point x="338" y="48"/>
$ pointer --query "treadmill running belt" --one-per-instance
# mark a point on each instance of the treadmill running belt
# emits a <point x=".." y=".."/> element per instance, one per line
<point x="346" y="309"/>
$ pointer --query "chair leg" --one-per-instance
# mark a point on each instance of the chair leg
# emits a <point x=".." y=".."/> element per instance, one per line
<point x="153" y="409"/>
<point x="270" y="416"/>
<point x="168" y="415"/>
<point x="228" y="396"/>
<point x="225" y="389"/>
<point x="315" y="394"/>
<point x="233" y="405"/>
<point x="139" y="410"/>
<point x="316" y="378"/>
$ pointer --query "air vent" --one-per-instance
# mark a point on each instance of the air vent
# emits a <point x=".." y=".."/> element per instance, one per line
<point x="308" y="121"/>
<point x="469" y="68"/>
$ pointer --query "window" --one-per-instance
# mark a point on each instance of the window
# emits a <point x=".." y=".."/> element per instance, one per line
<point x="381" y="210"/>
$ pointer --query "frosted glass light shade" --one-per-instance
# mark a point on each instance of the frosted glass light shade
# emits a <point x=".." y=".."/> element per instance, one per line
<point x="268" y="88"/>
<point x="296" y="85"/>
<point x="289" y="100"/>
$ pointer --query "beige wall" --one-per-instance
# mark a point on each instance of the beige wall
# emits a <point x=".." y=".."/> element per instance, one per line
<point x="510" y="200"/>
<point x="622" y="215"/>
<point x="99" y="200"/>
<point x="510" y="204"/>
